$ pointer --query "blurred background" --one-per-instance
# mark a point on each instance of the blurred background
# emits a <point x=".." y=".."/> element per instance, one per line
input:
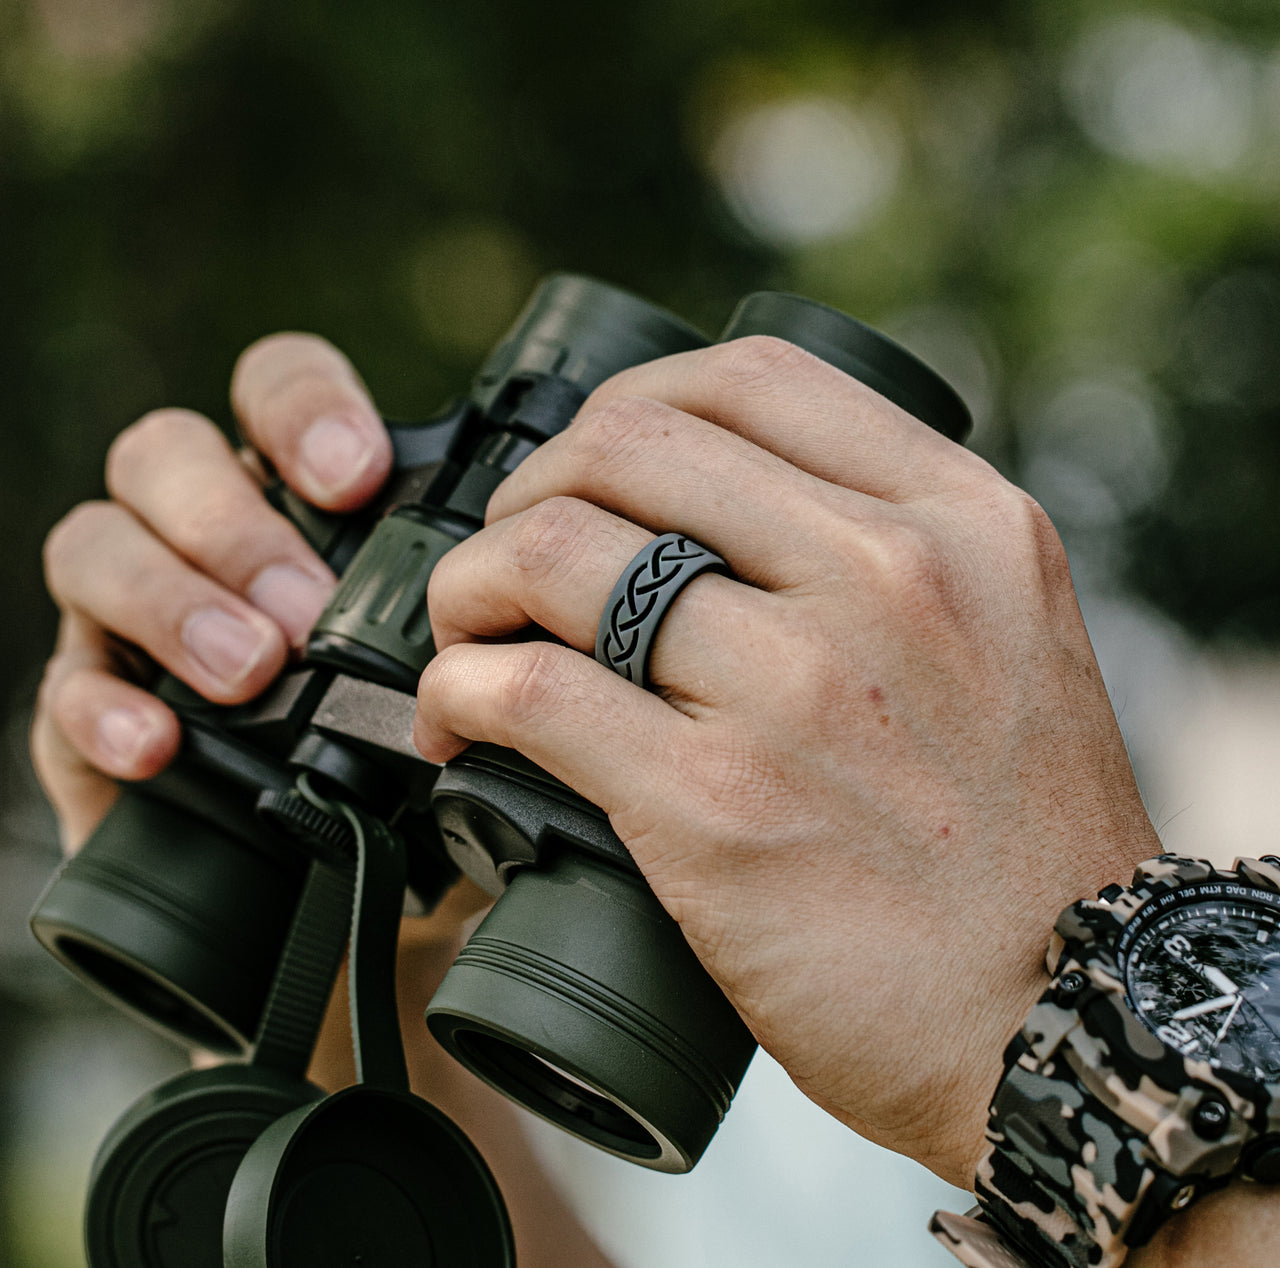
<point x="1070" y="207"/>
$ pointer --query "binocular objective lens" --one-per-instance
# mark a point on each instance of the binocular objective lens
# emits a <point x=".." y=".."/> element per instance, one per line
<point x="579" y="998"/>
<point x="556" y="1094"/>
<point x="136" y="989"/>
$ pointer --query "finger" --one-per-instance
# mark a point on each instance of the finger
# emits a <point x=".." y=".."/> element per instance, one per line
<point x="573" y="717"/>
<point x="255" y="465"/>
<point x="805" y="411"/>
<point x="90" y="725"/>
<point x="302" y="404"/>
<point x="673" y="472"/>
<point x="177" y="473"/>
<point x="105" y="565"/>
<point x="555" y="565"/>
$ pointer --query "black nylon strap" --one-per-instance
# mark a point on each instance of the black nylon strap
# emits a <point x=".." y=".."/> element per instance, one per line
<point x="308" y="965"/>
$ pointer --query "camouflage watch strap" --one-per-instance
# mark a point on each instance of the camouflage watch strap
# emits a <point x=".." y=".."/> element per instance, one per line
<point x="1065" y="1174"/>
<point x="1092" y="1144"/>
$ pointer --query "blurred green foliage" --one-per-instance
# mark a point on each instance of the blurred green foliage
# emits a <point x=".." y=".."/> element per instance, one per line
<point x="1071" y="208"/>
<point x="1041" y="195"/>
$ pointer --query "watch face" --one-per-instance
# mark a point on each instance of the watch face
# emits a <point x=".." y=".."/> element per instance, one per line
<point x="1201" y="968"/>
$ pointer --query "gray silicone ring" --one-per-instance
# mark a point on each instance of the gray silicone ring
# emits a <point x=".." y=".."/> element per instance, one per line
<point x="639" y="601"/>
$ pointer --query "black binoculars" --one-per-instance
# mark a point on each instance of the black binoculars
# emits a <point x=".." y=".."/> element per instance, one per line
<point x="215" y="901"/>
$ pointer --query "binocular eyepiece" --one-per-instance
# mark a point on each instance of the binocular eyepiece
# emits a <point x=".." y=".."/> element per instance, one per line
<point x="577" y="996"/>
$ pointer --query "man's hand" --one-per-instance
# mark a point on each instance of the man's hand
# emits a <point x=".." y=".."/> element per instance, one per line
<point x="881" y="759"/>
<point x="189" y="565"/>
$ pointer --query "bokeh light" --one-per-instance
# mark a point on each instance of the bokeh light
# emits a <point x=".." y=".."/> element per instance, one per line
<point x="804" y="169"/>
<point x="1147" y="88"/>
<point x="1095" y="450"/>
<point x="1071" y="210"/>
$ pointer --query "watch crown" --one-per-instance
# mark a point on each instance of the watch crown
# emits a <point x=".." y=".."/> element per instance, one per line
<point x="1070" y="987"/>
<point x="1110" y="893"/>
<point x="1211" y="1119"/>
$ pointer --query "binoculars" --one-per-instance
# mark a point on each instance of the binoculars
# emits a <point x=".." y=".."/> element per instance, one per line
<point x="215" y="901"/>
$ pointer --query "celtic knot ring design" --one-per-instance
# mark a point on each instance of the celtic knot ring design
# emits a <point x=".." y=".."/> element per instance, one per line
<point x="639" y="601"/>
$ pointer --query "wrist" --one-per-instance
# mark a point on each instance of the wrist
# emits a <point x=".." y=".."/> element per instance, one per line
<point x="1005" y="1013"/>
<point x="1015" y="977"/>
<point x="1239" y="1225"/>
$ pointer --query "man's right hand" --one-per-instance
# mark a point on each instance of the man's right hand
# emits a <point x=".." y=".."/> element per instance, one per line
<point x="186" y="566"/>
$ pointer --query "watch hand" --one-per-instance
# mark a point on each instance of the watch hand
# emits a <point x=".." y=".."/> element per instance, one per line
<point x="1231" y="1016"/>
<point x="1205" y="1006"/>
<point x="1220" y="980"/>
<point x="1261" y="1016"/>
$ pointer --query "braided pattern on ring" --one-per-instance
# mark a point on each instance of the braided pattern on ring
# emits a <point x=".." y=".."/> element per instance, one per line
<point x="647" y="588"/>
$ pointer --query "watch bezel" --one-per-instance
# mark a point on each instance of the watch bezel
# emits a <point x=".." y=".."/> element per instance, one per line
<point x="1094" y="937"/>
<point x="1165" y="904"/>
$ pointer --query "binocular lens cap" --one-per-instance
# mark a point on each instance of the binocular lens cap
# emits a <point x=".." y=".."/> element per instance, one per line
<point x="371" y="1177"/>
<point x="159" y="1185"/>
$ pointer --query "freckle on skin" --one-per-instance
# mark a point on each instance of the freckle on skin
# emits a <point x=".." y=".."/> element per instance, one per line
<point x="945" y="830"/>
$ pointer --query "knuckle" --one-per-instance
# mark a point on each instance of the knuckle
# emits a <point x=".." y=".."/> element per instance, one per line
<point x="536" y="684"/>
<point x="1033" y="525"/>
<point x="49" y="691"/>
<point x="550" y="537"/>
<point x="808" y="666"/>
<point x="912" y="575"/>
<point x="1020" y="528"/>
<point x="437" y="678"/>
<point x="608" y="437"/>
<point x="156" y="432"/>
<point x="63" y="693"/>
<point x="66" y="539"/>
<point x="40" y="744"/>
<point x="756" y="361"/>
<point x="48" y="754"/>
<point x="1044" y="551"/>
<point x="908" y="558"/>
<point x="213" y="535"/>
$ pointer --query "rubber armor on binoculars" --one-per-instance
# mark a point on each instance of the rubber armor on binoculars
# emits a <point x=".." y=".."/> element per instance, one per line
<point x="215" y="901"/>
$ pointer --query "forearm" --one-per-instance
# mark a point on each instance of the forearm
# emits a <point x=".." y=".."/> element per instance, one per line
<point x="547" y="1232"/>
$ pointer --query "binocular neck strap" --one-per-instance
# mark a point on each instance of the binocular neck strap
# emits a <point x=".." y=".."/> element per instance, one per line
<point x="308" y="965"/>
<point x="340" y="902"/>
<point x="380" y="877"/>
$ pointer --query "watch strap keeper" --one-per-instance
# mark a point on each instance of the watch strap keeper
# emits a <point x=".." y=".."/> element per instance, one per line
<point x="973" y="1241"/>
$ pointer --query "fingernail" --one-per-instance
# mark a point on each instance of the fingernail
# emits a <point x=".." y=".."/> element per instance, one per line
<point x="122" y="734"/>
<point x="225" y="646"/>
<point x="292" y="597"/>
<point x="335" y="451"/>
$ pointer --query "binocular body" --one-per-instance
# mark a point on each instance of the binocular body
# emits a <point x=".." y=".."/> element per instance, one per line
<point x="577" y="996"/>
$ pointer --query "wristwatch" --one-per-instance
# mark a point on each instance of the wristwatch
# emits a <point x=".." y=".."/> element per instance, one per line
<point x="1147" y="1075"/>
